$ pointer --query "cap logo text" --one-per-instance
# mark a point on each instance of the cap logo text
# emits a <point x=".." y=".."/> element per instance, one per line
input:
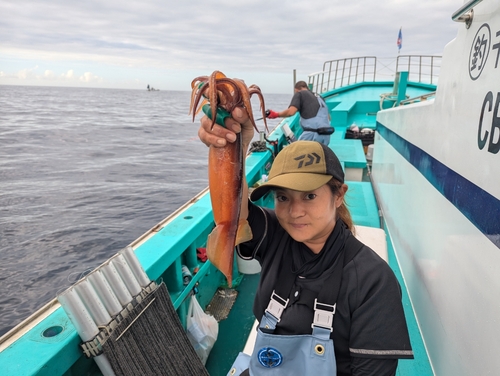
<point x="308" y="159"/>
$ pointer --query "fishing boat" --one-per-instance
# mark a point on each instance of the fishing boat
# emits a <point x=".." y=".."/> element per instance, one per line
<point x="421" y="158"/>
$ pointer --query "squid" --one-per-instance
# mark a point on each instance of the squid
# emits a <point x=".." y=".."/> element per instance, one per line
<point x="218" y="96"/>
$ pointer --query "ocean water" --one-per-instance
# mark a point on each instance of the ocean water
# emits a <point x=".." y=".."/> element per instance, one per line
<point x="84" y="172"/>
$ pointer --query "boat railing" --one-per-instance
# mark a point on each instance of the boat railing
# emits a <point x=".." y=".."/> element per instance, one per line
<point x="344" y="72"/>
<point x="420" y="68"/>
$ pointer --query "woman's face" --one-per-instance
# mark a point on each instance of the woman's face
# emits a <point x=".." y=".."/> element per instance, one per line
<point x="309" y="217"/>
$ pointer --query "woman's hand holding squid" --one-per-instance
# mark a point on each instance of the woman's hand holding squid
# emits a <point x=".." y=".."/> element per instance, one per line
<point x="219" y="136"/>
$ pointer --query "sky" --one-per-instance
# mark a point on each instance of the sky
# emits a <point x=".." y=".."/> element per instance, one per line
<point x="166" y="44"/>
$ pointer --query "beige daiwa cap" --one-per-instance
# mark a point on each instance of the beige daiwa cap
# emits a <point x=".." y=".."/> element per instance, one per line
<point x="302" y="166"/>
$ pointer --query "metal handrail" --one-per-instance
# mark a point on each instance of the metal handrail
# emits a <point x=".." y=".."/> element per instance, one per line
<point x="458" y="15"/>
<point x="426" y="66"/>
<point x="343" y="72"/>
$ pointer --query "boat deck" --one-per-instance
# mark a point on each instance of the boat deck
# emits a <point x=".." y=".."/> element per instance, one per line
<point x="173" y="243"/>
<point x="354" y="106"/>
<point x="363" y="206"/>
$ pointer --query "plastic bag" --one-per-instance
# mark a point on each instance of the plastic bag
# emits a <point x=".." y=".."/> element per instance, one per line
<point x="202" y="329"/>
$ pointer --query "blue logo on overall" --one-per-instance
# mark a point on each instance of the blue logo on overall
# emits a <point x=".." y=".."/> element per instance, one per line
<point x="269" y="357"/>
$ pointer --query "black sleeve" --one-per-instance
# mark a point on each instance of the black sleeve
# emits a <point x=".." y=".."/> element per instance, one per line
<point x="378" y="326"/>
<point x="373" y="367"/>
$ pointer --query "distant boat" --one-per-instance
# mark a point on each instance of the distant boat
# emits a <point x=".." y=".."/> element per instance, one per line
<point x="152" y="89"/>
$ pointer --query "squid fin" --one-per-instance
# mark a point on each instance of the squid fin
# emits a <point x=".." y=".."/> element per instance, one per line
<point x="244" y="233"/>
<point x="219" y="253"/>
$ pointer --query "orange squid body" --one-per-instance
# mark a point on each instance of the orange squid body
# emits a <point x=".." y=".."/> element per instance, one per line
<point x="225" y="178"/>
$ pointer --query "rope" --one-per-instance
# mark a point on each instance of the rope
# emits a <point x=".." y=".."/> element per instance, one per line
<point x="261" y="146"/>
<point x="389" y="96"/>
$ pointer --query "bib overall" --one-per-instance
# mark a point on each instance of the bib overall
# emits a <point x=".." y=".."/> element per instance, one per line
<point x="306" y="354"/>
<point x="320" y="121"/>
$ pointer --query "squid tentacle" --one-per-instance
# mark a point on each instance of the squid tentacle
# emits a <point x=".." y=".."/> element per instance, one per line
<point x="221" y="91"/>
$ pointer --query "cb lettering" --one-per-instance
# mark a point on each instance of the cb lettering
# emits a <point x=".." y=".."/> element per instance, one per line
<point x="494" y="133"/>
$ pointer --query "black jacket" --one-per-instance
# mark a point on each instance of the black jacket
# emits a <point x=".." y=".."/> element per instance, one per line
<point x="370" y="330"/>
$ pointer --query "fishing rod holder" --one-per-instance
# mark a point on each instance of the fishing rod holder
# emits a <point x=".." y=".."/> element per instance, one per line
<point x="262" y="136"/>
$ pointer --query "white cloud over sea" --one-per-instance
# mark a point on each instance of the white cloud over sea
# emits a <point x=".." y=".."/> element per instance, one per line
<point x="129" y="44"/>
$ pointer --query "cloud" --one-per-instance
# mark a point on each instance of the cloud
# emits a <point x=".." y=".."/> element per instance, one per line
<point x="198" y="36"/>
<point x="30" y="74"/>
<point x="27" y="73"/>
<point x="88" y="77"/>
<point x="49" y="75"/>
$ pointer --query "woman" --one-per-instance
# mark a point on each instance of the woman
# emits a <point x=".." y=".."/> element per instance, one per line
<point x="318" y="283"/>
